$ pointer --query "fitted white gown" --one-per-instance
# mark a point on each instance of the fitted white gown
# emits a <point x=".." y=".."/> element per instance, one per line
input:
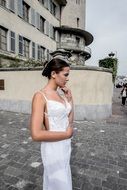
<point x="56" y="155"/>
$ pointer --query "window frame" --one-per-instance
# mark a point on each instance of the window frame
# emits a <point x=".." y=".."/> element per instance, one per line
<point x="2" y="36"/>
<point x="42" y="24"/>
<point x="78" y="2"/>
<point x="41" y="52"/>
<point x="26" y="47"/>
<point x="26" y="9"/>
<point x="77" y="41"/>
<point x="3" y="3"/>
<point x="12" y="40"/>
<point x="78" y="22"/>
<point x="53" y="10"/>
<point x="33" y="50"/>
<point x="41" y="1"/>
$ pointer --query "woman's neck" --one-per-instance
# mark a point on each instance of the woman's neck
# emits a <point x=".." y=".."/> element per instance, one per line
<point x="51" y="86"/>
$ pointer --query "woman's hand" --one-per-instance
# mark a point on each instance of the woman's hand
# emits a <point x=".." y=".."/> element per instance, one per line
<point x="69" y="132"/>
<point x="67" y="93"/>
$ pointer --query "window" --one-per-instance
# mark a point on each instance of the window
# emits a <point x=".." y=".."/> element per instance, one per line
<point x="41" y="1"/>
<point x="3" y="38"/>
<point x="52" y="7"/>
<point x="48" y="55"/>
<point x="20" y="45"/>
<point x="77" y="41"/>
<point x="41" y="52"/>
<point x="12" y="39"/>
<point x="78" y="2"/>
<point x="47" y="28"/>
<point x="26" y="12"/>
<point x="37" y="20"/>
<point x="42" y="24"/>
<point x="53" y="33"/>
<point x="12" y="5"/>
<point x="24" y="46"/>
<point x="2" y="84"/>
<point x="20" y="8"/>
<point x="33" y="16"/>
<point x="49" y="5"/>
<point x="53" y="10"/>
<point x="77" y="22"/>
<point x="33" y="50"/>
<point x="3" y="3"/>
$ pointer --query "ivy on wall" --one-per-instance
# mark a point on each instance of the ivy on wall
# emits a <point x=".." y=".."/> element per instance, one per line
<point x="9" y="62"/>
<point x="111" y="63"/>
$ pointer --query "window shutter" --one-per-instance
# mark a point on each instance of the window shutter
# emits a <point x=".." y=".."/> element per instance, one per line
<point x="33" y="50"/>
<point x="38" y="52"/>
<point x="47" y="28"/>
<point x="12" y="41"/>
<point x="57" y="36"/>
<point x="49" y="5"/>
<point x="38" y="20"/>
<point x="57" y="12"/>
<point x="20" y="45"/>
<point x="12" y="5"/>
<point x="32" y="16"/>
<point x="20" y="8"/>
<point x="46" y="3"/>
<point x="48" y="55"/>
<point x="51" y="31"/>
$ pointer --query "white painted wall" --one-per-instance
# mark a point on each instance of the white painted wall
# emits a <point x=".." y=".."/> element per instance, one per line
<point x="88" y="87"/>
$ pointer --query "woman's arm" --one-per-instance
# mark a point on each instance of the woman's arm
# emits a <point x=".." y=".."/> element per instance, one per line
<point x="71" y="115"/>
<point x="37" y="119"/>
<point x="69" y="97"/>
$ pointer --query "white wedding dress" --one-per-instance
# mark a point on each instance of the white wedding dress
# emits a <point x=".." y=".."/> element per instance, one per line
<point x="56" y="155"/>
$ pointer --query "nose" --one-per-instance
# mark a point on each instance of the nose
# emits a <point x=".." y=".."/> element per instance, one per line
<point x="67" y="79"/>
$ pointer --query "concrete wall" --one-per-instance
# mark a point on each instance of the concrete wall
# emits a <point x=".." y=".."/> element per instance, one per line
<point x="91" y="88"/>
<point x="72" y="11"/>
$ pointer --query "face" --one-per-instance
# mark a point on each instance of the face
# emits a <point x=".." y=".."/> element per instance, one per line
<point x="62" y="77"/>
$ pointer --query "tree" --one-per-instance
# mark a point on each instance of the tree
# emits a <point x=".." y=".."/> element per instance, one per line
<point x="111" y="63"/>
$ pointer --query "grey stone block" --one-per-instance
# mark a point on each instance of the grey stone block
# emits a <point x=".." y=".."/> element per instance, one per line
<point x="82" y="112"/>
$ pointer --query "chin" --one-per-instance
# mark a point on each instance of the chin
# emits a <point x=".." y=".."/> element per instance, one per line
<point x="61" y="85"/>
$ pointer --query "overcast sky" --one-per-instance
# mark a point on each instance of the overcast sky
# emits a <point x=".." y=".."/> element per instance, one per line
<point x="106" y="20"/>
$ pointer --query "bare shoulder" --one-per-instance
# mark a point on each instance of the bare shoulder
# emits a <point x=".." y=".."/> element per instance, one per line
<point x="38" y="98"/>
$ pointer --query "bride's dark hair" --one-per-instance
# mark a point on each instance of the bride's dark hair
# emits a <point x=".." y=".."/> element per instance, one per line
<point x="56" y="65"/>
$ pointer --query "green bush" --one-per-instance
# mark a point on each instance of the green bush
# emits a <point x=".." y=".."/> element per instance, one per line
<point x="111" y="63"/>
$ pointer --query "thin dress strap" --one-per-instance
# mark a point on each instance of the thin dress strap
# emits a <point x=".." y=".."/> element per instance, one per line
<point x="43" y="95"/>
<point x="45" y="100"/>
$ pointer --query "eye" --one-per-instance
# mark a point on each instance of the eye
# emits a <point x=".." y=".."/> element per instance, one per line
<point x="66" y="74"/>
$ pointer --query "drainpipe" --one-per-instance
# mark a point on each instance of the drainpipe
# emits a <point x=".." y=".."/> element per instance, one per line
<point x="60" y="24"/>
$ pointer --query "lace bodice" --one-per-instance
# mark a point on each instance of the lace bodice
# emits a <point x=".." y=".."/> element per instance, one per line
<point x="57" y="113"/>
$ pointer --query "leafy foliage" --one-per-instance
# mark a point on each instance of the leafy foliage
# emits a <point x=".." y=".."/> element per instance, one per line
<point x="15" y="62"/>
<point x="111" y="63"/>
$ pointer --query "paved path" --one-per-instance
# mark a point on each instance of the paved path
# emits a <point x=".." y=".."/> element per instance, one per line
<point x="99" y="153"/>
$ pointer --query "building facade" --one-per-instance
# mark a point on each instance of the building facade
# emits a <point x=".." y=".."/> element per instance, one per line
<point x="34" y="29"/>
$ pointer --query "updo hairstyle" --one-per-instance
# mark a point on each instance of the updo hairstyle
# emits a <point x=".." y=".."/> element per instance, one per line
<point x="56" y="65"/>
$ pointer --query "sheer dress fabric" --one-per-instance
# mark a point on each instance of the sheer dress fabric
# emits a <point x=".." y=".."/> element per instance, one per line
<point x="56" y="155"/>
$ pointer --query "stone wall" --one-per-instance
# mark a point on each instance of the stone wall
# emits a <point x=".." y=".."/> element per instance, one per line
<point x="92" y="90"/>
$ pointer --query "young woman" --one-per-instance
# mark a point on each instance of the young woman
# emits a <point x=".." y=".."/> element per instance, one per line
<point x="52" y="124"/>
